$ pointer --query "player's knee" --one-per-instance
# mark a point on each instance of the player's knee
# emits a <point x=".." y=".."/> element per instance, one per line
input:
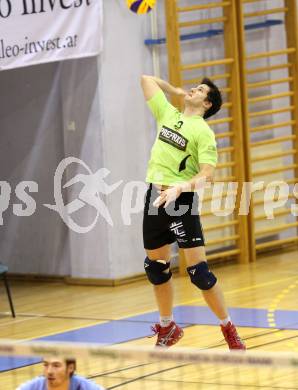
<point x="201" y="276"/>
<point x="158" y="271"/>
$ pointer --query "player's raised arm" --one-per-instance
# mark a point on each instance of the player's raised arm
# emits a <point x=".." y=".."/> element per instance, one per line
<point x="151" y="85"/>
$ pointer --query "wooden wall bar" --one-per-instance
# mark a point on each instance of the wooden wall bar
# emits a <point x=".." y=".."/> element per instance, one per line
<point x="271" y="148"/>
<point x="256" y="130"/>
<point x="226" y="236"/>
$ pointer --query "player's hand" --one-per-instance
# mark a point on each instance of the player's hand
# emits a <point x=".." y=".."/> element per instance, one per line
<point x="180" y="92"/>
<point x="168" y="196"/>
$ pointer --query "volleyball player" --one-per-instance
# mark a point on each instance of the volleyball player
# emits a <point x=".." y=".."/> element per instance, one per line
<point x="183" y="158"/>
<point x="59" y="374"/>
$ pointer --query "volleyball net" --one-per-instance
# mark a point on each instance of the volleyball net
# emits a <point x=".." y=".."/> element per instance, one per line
<point x="142" y="368"/>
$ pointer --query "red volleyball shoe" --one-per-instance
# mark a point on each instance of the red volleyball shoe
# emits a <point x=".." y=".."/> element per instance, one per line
<point x="167" y="336"/>
<point x="231" y="336"/>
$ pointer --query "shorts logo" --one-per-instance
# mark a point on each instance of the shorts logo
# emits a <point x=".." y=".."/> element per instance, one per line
<point x="181" y="240"/>
<point x="178" y="229"/>
<point x="173" y="138"/>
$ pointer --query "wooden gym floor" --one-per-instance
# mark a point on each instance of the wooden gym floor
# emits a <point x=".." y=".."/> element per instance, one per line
<point x="262" y="297"/>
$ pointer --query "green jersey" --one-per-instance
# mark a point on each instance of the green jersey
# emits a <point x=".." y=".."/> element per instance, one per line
<point x="182" y="143"/>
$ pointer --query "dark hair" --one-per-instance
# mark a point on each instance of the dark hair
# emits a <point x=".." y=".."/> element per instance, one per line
<point x="214" y="97"/>
<point x="68" y="362"/>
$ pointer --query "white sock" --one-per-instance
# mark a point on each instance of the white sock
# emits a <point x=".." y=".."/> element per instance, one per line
<point x="225" y="321"/>
<point x="165" y="321"/>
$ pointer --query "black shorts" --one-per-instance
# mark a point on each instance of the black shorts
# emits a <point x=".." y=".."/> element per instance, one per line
<point x="180" y="221"/>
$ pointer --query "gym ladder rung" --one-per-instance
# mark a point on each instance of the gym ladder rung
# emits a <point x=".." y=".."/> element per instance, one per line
<point x="222" y="254"/>
<point x="269" y="82"/>
<point x="273" y="141"/>
<point x="266" y="12"/>
<point x="276" y="229"/>
<point x="249" y="1"/>
<point x="288" y="181"/>
<point x="226" y="90"/>
<point x="225" y="61"/>
<point x="271" y="112"/>
<point x="228" y="164"/>
<point x="221" y="226"/>
<point x="221" y="120"/>
<point x="270" y="97"/>
<point x="262" y="69"/>
<point x="211" y="213"/>
<point x="225" y="134"/>
<point x="224" y="195"/>
<point x="199" y="22"/>
<point x="272" y="156"/>
<point x="199" y="79"/>
<point x="227" y="149"/>
<point x="204" y="6"/>
<point x="275" y="170"/>
<point x="272" y="126"/>
<point x="273" y="243"/>
<point x="227" y="105"/>
<point x="223" y="239"/>
<point x="270" y="54"/>
<point x="277" y="213"/>
<point x="263" y="202"/>
<point x="225" y="179"/>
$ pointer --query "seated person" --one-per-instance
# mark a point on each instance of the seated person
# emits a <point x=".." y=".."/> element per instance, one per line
<point x="59" y="374"/>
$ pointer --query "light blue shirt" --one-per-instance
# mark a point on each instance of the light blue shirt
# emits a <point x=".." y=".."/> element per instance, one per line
<point x="76" y="383"/>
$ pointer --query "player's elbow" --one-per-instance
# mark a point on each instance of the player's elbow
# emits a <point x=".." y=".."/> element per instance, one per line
<point x="145" y="78"/>
<point x="209" y="178"/>
<point x="208" y="173"/>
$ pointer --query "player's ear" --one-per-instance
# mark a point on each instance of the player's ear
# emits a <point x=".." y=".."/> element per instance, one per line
<point x="207" y="104"/>
<point x="71" y="369"/>
<point x="71" y="366"/>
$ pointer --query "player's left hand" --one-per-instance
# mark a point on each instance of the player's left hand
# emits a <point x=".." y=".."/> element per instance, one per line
<point x="167" y="196"/>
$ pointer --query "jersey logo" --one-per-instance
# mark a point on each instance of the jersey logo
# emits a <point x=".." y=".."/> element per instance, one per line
<point x="173" y="138"/>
